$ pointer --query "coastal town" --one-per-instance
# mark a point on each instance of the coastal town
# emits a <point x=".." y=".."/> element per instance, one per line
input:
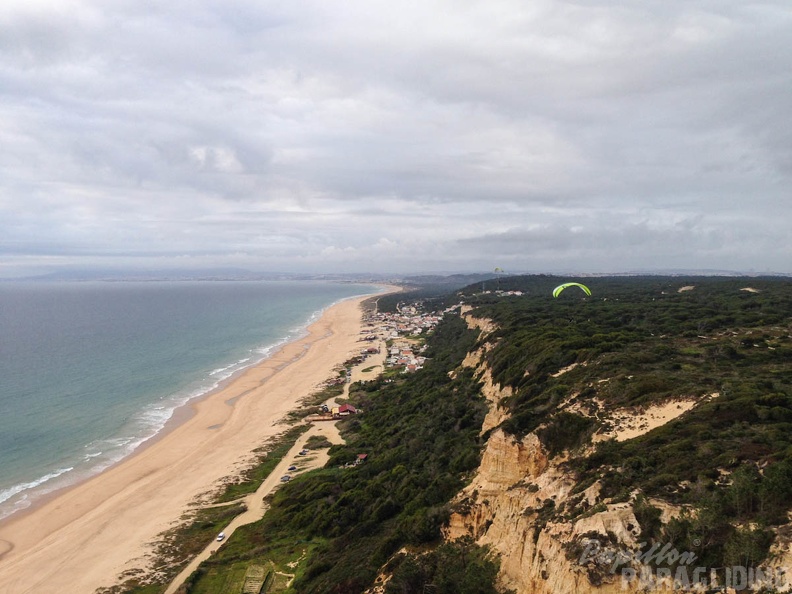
<point x="399" y="336"/>
<point x="392" y="344"/>
<point x="402" y="332"/>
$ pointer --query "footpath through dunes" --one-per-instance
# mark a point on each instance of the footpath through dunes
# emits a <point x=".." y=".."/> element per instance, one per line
<point x="256" y="507"/>
<point x="84" y="538"/>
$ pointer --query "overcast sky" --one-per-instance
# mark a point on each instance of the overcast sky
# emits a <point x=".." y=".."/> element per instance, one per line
<point x="362" y="135"/>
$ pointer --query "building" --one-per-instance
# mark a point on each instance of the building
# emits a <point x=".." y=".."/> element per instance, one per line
<point x="346" y="409"/>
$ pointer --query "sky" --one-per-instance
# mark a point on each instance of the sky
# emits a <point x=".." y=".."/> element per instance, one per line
<point x="419" y="136"/>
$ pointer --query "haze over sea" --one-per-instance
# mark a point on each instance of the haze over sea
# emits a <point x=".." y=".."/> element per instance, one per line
<point x="89" y="371"/>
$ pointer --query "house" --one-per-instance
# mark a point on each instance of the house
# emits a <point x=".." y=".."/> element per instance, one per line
<point x="360" y="459"/>
<point x="346" y="409"/>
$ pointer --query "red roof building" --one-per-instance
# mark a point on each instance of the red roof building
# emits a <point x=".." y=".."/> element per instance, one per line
<point x="347" y="409"/>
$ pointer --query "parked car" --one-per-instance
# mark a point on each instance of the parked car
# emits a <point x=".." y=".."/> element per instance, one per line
<point x="292" y="468"/>
<point x="285" y="478"/>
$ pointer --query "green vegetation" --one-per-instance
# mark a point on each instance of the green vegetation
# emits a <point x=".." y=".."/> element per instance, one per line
<point x="571" y="361"/>
<point x="311" y="402"/>
<point x="199" y="528"/>
<point x="229" y="581"/>
<point x="421" y="437"/>
<point x="269" y="457"/>
<point x="639" y="341"/>
<point x="565" y="431"/>
<point x="317" y="442"/>
<point x="458" y="567"/>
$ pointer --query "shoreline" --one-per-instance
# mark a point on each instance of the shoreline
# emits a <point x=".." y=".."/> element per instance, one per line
<point x="64" y="537"/>
<point x="182" y="412"/>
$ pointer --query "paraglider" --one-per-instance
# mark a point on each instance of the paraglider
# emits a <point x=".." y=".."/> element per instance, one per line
<point x="559" y="288"/>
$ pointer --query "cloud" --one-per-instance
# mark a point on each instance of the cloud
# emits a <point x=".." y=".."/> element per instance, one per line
<point x="422" y="136"/>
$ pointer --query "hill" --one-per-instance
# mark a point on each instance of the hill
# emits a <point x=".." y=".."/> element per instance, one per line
<point x="617" y="441"/>
<point x="655" y="413"/>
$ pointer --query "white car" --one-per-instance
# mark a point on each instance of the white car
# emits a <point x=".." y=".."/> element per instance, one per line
<point x="220" y="536"/>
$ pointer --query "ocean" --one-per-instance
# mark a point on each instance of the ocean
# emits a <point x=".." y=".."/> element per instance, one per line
<point x="89" y="371"/>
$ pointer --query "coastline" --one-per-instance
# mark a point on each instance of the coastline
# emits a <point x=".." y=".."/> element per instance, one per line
<point x="90" y="533"/>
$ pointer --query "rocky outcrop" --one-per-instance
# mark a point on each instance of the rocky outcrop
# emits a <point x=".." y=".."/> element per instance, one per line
<point x="485" y="325"/>
<point x="494" y="393"/>
<point x="551" y="535"/>
<point x="510" y="505"/>
<point x="513" y="501"/>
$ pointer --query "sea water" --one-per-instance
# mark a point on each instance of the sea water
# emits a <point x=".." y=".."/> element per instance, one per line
<point x="89" y="371"/>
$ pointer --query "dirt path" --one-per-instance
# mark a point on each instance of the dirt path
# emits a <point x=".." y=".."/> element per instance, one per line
<point x="255" y="501"/>
<point x="315" y="459"/>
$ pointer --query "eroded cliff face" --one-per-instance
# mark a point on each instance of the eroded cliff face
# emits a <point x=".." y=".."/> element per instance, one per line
<point x="485" y="325"/>
<point x="508" y="506"/>
<point x="553" y="536"/>
<point x="493" y="392"/>
<point x="512" y="501"/>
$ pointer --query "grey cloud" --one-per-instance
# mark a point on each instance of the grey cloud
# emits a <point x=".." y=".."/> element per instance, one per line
<point x="441" y="135"/>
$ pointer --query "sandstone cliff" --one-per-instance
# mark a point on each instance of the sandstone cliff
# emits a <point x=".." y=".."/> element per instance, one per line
<point x="509" y="506"/>
<point x="552" y="536"/>
<point x="510" y="503"/>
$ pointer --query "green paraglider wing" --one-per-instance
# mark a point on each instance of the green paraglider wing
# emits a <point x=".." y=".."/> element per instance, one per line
<point x="559" y="288"/>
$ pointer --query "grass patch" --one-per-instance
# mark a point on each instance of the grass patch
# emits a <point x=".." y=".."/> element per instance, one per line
<point x="271" y="454"/>
<point x="226" y="570"/>
<point x="317" y="442"/>
<point x="312" y="401"/>
<point x="323" y="395"/>
<point x="200" y="528"/>
<point x="231" y="580"/>
<point x="208" y="580"/>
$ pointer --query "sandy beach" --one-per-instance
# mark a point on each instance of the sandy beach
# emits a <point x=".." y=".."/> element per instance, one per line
<point x="85" y="537"/>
